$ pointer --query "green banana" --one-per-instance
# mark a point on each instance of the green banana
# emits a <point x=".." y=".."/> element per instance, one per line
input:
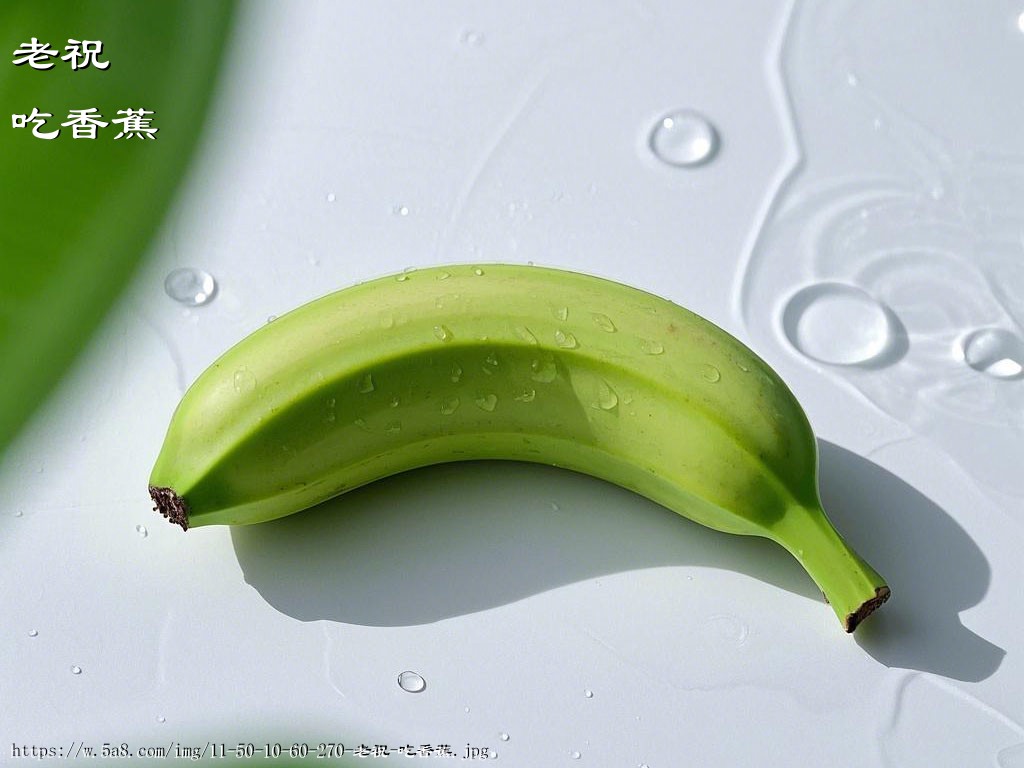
<point x="506" y="362"/>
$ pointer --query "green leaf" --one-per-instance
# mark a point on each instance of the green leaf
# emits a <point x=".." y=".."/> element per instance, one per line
<point x="76" y="215"/>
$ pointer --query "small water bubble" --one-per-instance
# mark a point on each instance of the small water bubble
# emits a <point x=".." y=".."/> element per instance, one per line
<point x="478" y="271"/>
<point x="75" y="669"/>
<point x="525" y="334"/>
<point x="588" y="693"/>
<point x="526" y="396"/>
<point x="465" y="709"/>
<point x="576" y="755"/>
<point x="456" y="373"/>
<point x="271" y="318"/>
<point x="651" y="347"/>
<point x="995" y="352"/>
<point x="852" y="80"/>
<point x="161" y="719"/>
<point x="313" y="261"/>
<point x="607" y="398"/>
<point x="543" y="371"/>
<point x="471" y="37"/>
<point x="709" y="373"/>
<point x="400" y="210"/>
<point x="603" y="322"/>
<point x="449" y="405"/>
<point x="503" y="736"/>
<point x="33" y="633"/>
<point x="244" y="381"/>
<point x="411" y="682"/>
<point x="330" y="197"/>
<point x="685" y="139"/>
<point x="838" y="324"/>
<point x="486" y="402"/>
<point x="192" y="287"/>
<point x="562" y="313"/>
<point x="141" y="530"/>
<point x="443" y="332"/>
<point x="19" y="513"/>
<point x="877" y="124"/>
<point x="566" y="340"/>
<point x="366" y="384"/>
<point x="331" y="415"/>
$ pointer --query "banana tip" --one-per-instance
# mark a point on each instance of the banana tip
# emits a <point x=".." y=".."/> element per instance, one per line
<point x="868" y="607"/>
<point x="170" y="505"/>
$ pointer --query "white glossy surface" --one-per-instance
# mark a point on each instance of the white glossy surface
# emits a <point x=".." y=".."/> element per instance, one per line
<point x="879" y="145"/>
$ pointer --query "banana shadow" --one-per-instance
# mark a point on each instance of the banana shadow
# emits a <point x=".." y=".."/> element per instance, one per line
<point x="932" y="565"/>
<point x="459" y="538"/>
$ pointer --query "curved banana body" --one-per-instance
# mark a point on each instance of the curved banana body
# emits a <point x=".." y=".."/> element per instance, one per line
<point x="506" y="362"/>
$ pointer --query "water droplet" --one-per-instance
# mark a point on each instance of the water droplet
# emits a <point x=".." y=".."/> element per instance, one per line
<point x="75" y="669"/>
<point x="588" y="693"/>
<point x="477" y="271"/>
<point x="313" y="261"/>
<point x="543" y="371"/>
<point x="465" y="709"/>
<point x="995" y="352"/>
<point x="271" y="318"/>
<point x="839" y="324"/>
<point x="443" y="275"/>
<point x="471" y="37"/>
<point x="330" y="197"/>
<point x="19" y="513"/>
<point x="387" y="320"/>
<point x="554" y="506"/>
<point x="710" y="373"/>
<point x="562" y="313"/>
<point x="244" y="381"/>
<point x="400" y="210"/>
<point x="456" y="373"/>
<point x="189" y="286"/>
<point x="525" y="334"/>
<point x="141" y="530"/>
<point x="526" y="396"/>
<point x="684" y="139"/>
<point x="394" y="402"/>
<point x="607" y="399"/>
<point x="331" y="415"/>
<point x="443" y="332"/>
<point x="604" y="322"/>
<point x="449" y="405"/>
<point x="33" y="633"/>
<point x="486" y="402"/>
<point x="361" y="423"/>
<point x="576" y="755"/>
<point x="402" y="277"/>
<point x="503" y="736"/>
<point x="651" y="347"/>
<point x="852" y="80"/>
<point x="411" y="682"/>
<point x="490" y="363"/>
<point x="366" y="384"/>
<point x="565" y="340"/>
<point x="877" y="124"/>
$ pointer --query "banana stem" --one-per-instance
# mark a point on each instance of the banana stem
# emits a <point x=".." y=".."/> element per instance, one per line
<point x="852" y="587"/>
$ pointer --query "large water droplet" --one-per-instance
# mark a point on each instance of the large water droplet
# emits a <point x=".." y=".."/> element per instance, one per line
<point x="603" y="322"/>
<point x="486" y="402"/>
<point x="684" y="138"/>
<point x="411" y="682"/>
<point x="709" y="373"/>
<point x="244" y="381"/>
<point x="449" y="405"/>
<point x="651" y="347"/>
<point x="443" y="332"/>
<point x="565" y="339"/>
<point x="995" y="352"/>
<point x="189" y="286"/>
<point x="840" y="324"/>
<point x="607" y="399"/>
<point x="141" y="530"/>
<point x="525" y="334"/>
<point x="366" y="384"/>
<point x="543" y="371"/>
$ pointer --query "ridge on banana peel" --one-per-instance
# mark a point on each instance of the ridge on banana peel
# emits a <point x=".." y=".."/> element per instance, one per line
<point x="506" y="362"/>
